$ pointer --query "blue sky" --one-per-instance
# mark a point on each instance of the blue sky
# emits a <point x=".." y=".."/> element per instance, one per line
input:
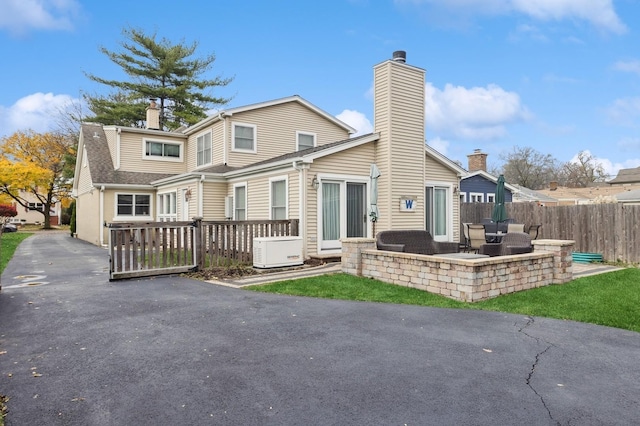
<point x="560" y="76"/>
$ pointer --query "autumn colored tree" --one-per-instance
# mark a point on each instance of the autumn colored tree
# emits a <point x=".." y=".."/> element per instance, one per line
<point x="157" y="69"/>
<point x="32" y="169"/>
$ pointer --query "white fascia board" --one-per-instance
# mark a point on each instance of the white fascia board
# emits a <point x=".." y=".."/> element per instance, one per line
<point x="147" y="131"/>
<point x="79" y="155"/>
<point x="445" y="161"/>
<point x="187" y="177"/>
<point x="122" y="186"/>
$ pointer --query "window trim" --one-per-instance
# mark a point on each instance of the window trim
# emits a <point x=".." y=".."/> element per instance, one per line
<point x="463" y="197"/>
<point x="272" y="180"/>
<point x="133" y="217"/>
<point x="203" y="134"/>
<point x="313" y="135"/>
<point x="480" y="195"/>
<point x="148" y="157"/>
<point x="171" y="216"/>
<point x="491" y="198"/>
<point x="235" y="200"/>
<point x="233" y="137"/>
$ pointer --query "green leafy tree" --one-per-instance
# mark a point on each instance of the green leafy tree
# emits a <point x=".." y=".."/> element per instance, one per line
<point x="158" y="69"/>
<point x="32" y="170"/>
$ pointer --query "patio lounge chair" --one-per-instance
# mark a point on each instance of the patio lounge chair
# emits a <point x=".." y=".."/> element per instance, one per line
<point x="476" y="236"/>
<point x="533" y="231"/>
<point x="515" y="227"/>
<point x="413" y="241"/>
<point x="512" y="243"/>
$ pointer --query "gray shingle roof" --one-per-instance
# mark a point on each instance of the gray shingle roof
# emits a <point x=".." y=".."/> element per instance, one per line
<point x="627" y="176"/>
<point x="101" y="165"/>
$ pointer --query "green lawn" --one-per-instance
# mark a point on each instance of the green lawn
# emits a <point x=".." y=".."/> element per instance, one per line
<point x="611" y="299"/>
<point x="8" y="245"/>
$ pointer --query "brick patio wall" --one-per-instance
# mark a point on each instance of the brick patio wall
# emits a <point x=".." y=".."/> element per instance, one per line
<point x="468" y="280"/>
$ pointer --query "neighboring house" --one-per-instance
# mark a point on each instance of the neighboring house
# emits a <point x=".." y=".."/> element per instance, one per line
<point x="629" y="197"/>
<point x="526" y="195"/>
<point x="282" y="159"/>
<point x="32" y="213"/>
<point x="479" y="186"/>
<point x="626" y="176"/>
<point x="596" y="194"/>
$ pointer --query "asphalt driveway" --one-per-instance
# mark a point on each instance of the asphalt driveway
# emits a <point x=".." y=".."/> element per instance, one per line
<point x="81" y="350"/>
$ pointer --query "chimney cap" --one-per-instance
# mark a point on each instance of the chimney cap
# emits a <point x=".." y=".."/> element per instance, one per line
<point x="400" y="56"/>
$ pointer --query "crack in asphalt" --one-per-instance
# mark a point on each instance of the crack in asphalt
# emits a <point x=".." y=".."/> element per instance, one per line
<point x="530" y="321"/>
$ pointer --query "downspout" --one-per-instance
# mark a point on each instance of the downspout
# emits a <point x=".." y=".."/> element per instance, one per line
<point x="201" y="196"/>
<point x="222" y="117"/>
<point x="301" y="206"/>
<point x="101" y="209"/>
<point x="118" y="131"/>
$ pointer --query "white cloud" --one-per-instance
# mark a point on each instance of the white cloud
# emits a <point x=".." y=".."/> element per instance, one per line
<point x="357" y="120"/>
<point x="624" y="111"/>
<point x="599" y="13"/>
<point x="37" y="112"/>
<point x="439" y="144"/>
<point x="612" y="168"/>
<point x="627" y="66"/>
<point x="19" y="16"/>
<point x="476" y="113"/>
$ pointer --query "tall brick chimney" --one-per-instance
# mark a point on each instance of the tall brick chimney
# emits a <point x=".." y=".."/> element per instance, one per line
<point x="153" y="116"/>
<point x="477" y="161"/>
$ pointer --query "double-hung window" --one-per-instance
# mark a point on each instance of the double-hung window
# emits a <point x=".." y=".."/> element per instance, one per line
<point x="203" y="143"/>
<point x="133" y="205"/>
<point x="240" y="202"/>
<point x="491" y="198"/>
<point x="278" y="199"/>
<point x="167" y="206"/>
<point x="476" y="197"/>
<point x="305" y="140"/>
<point x="244" y="137"/>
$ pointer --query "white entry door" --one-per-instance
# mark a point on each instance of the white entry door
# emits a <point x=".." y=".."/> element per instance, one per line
<point x="185" y="206"/>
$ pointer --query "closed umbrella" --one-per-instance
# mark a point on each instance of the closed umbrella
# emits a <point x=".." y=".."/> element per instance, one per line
<point x="373" y="196"/>
<point x="499" y="213"/>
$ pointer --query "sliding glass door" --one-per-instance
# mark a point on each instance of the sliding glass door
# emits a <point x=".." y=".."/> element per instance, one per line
<point x="438" y="212"/>
<point x="343" y="211"/>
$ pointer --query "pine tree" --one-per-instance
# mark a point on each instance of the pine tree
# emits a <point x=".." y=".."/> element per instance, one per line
<point x="158" y="70"/>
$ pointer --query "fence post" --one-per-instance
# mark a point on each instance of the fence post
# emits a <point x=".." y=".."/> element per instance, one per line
<point x="198" y="248"/>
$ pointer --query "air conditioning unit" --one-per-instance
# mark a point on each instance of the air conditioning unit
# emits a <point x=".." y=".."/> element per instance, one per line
<point x="273" y="252"/>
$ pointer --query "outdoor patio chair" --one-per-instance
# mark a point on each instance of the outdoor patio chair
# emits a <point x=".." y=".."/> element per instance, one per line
<point x="465" y="232"/>
<point x="533" y="231"/>
<point x="476" y="236"/>
<point x="413" y="241"/>
<point x="515" y="227"/>
<point x="512" y="243"/>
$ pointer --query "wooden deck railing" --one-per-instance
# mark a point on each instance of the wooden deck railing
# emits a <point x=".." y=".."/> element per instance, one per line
<point x="157" y="248"/>
<point x="227" y="242"/>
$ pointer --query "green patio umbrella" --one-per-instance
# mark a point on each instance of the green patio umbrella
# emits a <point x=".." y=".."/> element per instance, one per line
<point x="499" y="210"/>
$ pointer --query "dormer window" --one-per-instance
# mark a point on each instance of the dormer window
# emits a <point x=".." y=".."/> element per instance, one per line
<point x="244" y="137"/>
<point x="204" y="149"/>
<point x="305" y="140"/>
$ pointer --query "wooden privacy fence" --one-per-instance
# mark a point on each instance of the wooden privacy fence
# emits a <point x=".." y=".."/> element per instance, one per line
<point x="159" y="248"/>
<point x="612" y="230"/>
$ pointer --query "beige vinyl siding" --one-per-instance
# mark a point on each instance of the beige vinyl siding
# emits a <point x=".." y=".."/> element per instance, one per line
<point x="437" y="172"/>
<point x="217" y="154"/>
<point x="88" y="227"/>
<point x="352" y="162"/>
<point x="399" y="117"/>
<point x="213" y="203"/>
<point x="85" y="183"/>
<point x="112" y="137"/>
<point x="131" y="154"/>
<point x="276" y="131"/>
